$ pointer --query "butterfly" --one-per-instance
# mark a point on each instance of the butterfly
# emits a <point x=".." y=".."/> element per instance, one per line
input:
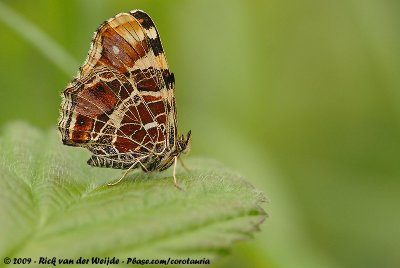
<point x="121" y="105"/>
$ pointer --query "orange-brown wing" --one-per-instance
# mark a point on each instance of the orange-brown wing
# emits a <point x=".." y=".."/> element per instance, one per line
<point x="122" y="101"/>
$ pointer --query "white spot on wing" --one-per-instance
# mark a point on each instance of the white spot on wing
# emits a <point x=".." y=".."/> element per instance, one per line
<point x="150" y="125"/>
<point x="115" y="49"/>
<point x="152" y="33"/>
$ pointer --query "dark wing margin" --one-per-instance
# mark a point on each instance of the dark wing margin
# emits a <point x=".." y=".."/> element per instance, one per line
<point x="153" y="39"/>
<point x="150" y="30"/>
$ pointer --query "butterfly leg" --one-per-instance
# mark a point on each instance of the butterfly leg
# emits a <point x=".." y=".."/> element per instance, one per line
<point x="125" y="173"/>
<point x="174" y="174"/>
<point x="120" y="179"/>
<point x="183" y="164"/>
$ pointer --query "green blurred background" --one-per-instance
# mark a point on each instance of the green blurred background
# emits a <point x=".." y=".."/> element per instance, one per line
<point x="301" y="97"/>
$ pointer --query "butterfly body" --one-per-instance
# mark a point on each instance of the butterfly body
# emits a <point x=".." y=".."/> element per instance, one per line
<point x="121" y="105"/>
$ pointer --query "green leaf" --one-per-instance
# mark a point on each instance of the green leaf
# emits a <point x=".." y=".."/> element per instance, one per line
<point x="54" y="204"/>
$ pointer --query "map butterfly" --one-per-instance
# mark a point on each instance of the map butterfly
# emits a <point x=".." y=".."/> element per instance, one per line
<point x="121" y="104"/>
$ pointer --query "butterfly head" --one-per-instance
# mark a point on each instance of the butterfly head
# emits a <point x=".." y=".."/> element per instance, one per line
<point x="184" y="143"/>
